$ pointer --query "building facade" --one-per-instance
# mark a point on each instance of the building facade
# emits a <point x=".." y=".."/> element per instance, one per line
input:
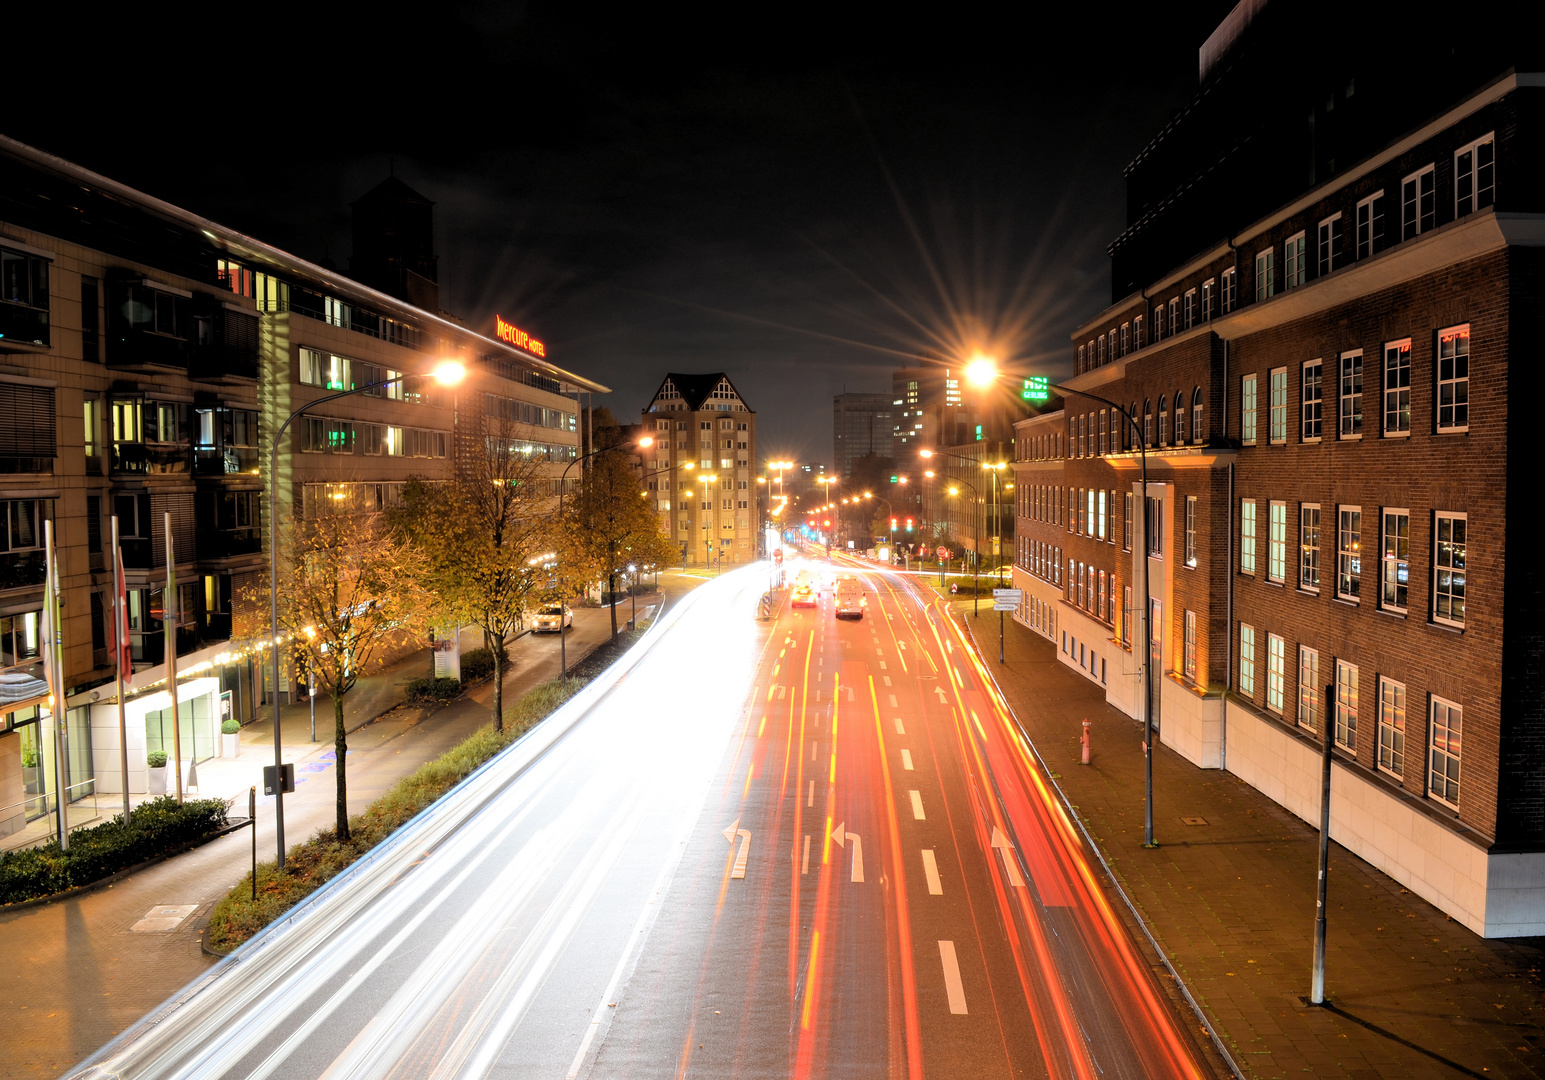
<point x="1321" y="401"/>
<point x="861" y="425"/>
<point x="147" y="358"/>
<point x="699" y="469"/>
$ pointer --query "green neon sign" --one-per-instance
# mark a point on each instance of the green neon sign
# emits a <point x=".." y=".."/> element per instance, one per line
<point x="1037" y="388"/>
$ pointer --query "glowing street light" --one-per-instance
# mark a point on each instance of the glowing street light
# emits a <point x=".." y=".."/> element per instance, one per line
<point x="982" y="370"/>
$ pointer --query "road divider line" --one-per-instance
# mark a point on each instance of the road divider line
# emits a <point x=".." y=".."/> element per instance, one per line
<point x="906" y="760"/>
<point x="931" y="872"/>
<point x="887" y="678"/>
<point x="899" y="729"/>
<point x="810" y="798"/>
<point x="812" y="750"/>
<point x="804" y="860"/>
<point x="884" y="668"/>
<point x="953" y="988"/>
<point x="917" y="805"/>
<point x="893" y="700"/>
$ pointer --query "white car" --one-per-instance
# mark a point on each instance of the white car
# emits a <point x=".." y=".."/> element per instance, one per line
<point x="552" y="618"/>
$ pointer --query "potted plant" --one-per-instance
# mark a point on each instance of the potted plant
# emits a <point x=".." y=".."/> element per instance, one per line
<point x="230" y="733"/>
<point x="156" y="759"/>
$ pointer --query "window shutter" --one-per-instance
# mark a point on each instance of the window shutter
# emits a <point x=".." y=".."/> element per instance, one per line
<point x="27" y="422"/>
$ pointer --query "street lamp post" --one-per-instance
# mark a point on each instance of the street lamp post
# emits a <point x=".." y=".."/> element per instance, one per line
<point x="447" y="373"/>
<point x="976" y="536"/>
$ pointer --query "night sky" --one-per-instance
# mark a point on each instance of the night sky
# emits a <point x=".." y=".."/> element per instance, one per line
<point x="804" y="200"/>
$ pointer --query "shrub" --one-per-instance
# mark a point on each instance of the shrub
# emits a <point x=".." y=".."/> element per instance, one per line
<point x="153" y="828"/>
<point x="479" y="664"/>
<point x="430" y="688"/>
<point x="230" y="727"/>
<point x="156" y="759"/>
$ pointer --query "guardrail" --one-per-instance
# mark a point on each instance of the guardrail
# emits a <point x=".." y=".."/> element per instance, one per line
<point x="39" y="814"/>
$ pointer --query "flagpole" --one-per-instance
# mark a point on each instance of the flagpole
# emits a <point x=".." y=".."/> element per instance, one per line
<point x="120" y="646"/>
<point x="169" y="629"/>
<point x="56" y="705"/>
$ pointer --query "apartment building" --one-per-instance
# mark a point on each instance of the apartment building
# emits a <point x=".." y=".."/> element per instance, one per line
<point x="147" y="359"/>
<point x="1320" y="401"/>
<point x="699" y="470"/>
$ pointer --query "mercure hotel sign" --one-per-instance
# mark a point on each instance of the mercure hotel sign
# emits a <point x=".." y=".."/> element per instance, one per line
<point x="517" y="337"/>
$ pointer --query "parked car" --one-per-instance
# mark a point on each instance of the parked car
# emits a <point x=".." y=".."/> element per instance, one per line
<point x="552" y="618"/>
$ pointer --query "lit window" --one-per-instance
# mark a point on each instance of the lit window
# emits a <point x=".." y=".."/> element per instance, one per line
<point x="1247" y="660"/>
<point x="1346" y="705"/>
<point x="1276" y="542"/>
<point x="1308" y="688"/>
<point x="1349" y="558"/>
<point x="1397" y="387"/>
<point x="1196" y="415"/>
<point x="1247" y="536"/>
<point x="1247" y="405"/>
<point x="1190" y="646"/>
<point x="1276" y="673"/>
<point x="1191" y="531"/>
<point x="1279" y="405"/>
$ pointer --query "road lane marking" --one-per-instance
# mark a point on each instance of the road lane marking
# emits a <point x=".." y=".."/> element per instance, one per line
<point x="953" y="988"/>
<point x="1010" y="863"/>
<point x="812" y="750"/>
<point x="887" y="679"/>
<point x="879" y="652"/>
<point x="917" y="805"/>
<point x="762" y="726"/>
<point x="739" y="869"/>
<point x="899" y="729"/>
<point x="842" y="836"/>
<point x="943" y="700"/>
<point x="810" y="798"/>
<point x="893" y="700"/>
<point x="906" y="760"/>
<point x="882" y="666"/>
<point x="931" y="872"/>
<point x="804" y="861"/>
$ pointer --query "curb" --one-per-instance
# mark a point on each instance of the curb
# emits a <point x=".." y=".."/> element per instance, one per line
<point x="39" y="901"/>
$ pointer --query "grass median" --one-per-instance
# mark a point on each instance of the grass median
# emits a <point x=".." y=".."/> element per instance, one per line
<point x="315" y="862"/>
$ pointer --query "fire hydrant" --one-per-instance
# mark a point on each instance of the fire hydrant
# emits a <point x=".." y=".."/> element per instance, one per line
<point x="1083" y="753"/>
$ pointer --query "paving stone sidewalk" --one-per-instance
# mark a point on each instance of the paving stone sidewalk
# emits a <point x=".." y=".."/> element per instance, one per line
<point x="1411" y="992"/>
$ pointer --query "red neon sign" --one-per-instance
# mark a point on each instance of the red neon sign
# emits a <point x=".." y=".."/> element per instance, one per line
<point x="517" y="337"/>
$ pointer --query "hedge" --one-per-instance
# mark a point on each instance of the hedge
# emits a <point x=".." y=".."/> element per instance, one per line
<point x="153" y="828"/>
<point x="310" y="865"/>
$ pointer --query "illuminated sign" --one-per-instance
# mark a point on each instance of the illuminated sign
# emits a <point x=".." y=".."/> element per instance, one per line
<point x="1037" y="388"/>
<point x="517" y="337"/>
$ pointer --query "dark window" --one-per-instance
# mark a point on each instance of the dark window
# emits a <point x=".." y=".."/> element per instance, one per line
<point x="23" y="297"/>
<point x="94" y="524"/>
<point x="90" y="318"/>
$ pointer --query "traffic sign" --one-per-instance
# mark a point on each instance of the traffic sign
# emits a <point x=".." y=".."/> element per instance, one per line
<point x="1004" y="605"/>
<point x="777" y="555"/>
<point x="944" y="553"/>
<point x="1007" y="599"/>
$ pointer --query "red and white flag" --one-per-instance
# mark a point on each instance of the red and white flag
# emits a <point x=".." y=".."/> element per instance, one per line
<point x="118" y="635"/>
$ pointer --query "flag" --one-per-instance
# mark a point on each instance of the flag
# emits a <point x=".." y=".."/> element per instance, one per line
<point x="123" y="654"/>
<point x="51" y="626"/>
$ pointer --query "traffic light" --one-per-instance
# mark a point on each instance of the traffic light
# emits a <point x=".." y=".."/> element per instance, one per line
<point x="893" y="523"/>
<point x="909" y="524"/>
<point x="827" y="522"/>
<point x="894" y="479"/>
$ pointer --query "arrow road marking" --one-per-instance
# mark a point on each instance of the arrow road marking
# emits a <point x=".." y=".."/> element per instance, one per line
<point x="931" y="872"/>
<point x="940" y="691"/>
<point x="841" y="835"/>
<point x="739" y="869"/>
<point x="1010" y="863"/>
<point x="953" y="989"/>
<point x="838" y="834"/>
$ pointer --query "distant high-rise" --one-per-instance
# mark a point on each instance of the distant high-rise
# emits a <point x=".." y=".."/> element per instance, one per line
<point x="394" y="244"/>
<point x="861" y="424"/>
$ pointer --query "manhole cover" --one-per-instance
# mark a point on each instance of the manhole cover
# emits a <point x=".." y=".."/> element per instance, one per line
<point x="164" y="917"/>
<point x="1193" y="821"/>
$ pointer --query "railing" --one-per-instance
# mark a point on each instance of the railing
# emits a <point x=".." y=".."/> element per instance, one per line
<point x="19" y="322"/>
<point x="225" y="461"/>
<point x="33" y="820"/>
<point x="158" y="459"/>
<point x="225" y="543"/>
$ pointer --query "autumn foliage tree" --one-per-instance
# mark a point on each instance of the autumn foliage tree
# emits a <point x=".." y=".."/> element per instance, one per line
<point x="346" y="595"/>
<point x="475" y="536"/>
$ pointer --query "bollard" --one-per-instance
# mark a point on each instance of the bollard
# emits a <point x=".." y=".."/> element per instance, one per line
<point x="1083" y="754"/>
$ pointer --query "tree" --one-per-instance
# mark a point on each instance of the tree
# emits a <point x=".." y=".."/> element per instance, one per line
<point x="611" y="523"/>
<point x="345" y="594"/>
<point x="474" y="538"/>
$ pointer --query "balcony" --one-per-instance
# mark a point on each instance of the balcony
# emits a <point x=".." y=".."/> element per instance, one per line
<point x="227" y="346"/>
<point x="228" y="543"/>
<point x="151" y="459"/>
<point x="21" y="322"/>
<point x="21" y="569"/>
<point x="225" y="461"/>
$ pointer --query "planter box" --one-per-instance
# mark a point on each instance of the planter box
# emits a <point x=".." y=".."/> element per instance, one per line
<point x="157" y="781"/>
<point x="230" y="744"/>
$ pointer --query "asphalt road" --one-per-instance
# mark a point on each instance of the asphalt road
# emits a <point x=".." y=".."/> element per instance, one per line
<point x="853" y="870"/>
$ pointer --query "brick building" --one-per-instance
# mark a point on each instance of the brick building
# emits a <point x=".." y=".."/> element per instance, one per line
<point x="1321" y="372"/>
<point x="147" y="357"/>
<point x="703" y="429"/>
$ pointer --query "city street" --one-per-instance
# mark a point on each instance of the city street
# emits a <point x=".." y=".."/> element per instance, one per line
<point x="853" y="870"/>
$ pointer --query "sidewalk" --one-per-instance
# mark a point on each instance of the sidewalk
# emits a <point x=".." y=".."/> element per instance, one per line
<point x="1231" y="900"/>
<point x="80" y="969"/>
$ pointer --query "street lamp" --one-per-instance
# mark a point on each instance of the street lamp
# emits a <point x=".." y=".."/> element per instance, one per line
<point x="996" y="467"/>
<point x="705" y="479"/>
<point x="446" y="373"/>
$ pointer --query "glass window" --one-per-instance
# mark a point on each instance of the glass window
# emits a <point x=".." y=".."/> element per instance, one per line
<point x="1188" y="310"/>
<point x="1370" y="225"/>
<point x="1309" y="546"/>
<point x="1180" y="418"/>
<point x="1392" y="726"/>
<point x="1196" y="415"/>
<point x="1209" y="289"/>
<point x="1126" y="522"/>
<point x="1328" y="244"/>
<point x="1247" y="660"/>
<point x="1308" y="688"/>
<point x="1395" y="563"/>
<point x="1475" y="176"/>
<point x="1276" y="542"/>
<point x="1294" y="261"/>
<point x="1454" y="379"/>
<point x="1247" y="536"/>
<point x="1276" y="673"/>
<point x="1310" y="415"/>
<point x="1397" y="387"/>
<point x="1448" y="564"/>
<point x="1265" y="274"/>
<point x="1351" y="411"/>
<point x="1443" y="761"/>
<point x="1191" y="530"/>
<point x="1346" y="705"/>
<point x="1248" y="405"/>
<point x="1279" y="405"/>
<point x="1418" y="205"/>
<point x="1190" y="646"/>
<point x="1230" y="290"/>
<point x="1349" y="558"/>
<point x="1126" y="615"/>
